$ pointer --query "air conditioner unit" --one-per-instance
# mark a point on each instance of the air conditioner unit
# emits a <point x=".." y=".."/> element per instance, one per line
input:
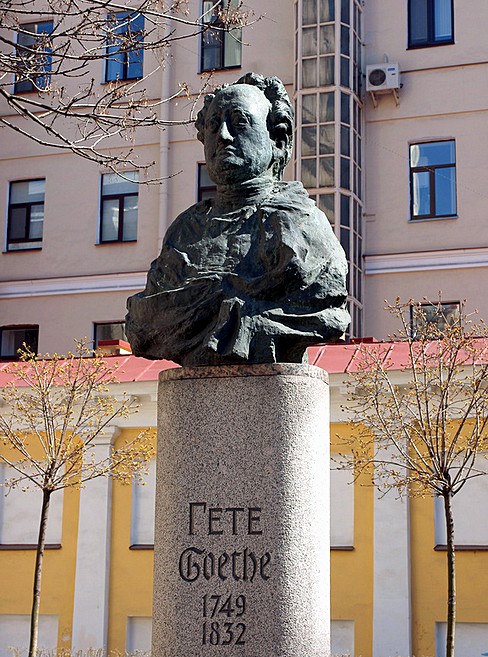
<point x="382" y="77"/>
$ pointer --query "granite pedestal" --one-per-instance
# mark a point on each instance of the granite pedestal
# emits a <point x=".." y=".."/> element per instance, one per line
<point x="242" y="513"/>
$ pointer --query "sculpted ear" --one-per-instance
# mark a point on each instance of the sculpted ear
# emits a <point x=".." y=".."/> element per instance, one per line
<point x="281" y="136"/>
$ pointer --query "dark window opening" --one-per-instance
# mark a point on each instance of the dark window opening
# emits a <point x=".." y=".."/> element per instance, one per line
<point x="433" y="180"/>
<point x="118" y="208"/>
<point x="34" y="50"/>
<point x="125" y="53"/>
<point x="430" y="320"/>
<point x="108" y="331"/>
<point x="221" y="45"/>
<point x="430" y="23"/>
<point x="206" y="186"/>
<point x="25" y="215"/>
<point x="13" y="338"/>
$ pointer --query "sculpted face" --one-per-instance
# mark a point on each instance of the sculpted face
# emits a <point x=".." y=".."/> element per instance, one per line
<point x="237" y="145"/>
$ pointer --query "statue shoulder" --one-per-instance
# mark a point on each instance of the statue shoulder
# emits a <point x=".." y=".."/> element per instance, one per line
<point x="188" y="224"/>
<point x="291" y="203"/>
<point x="290" y="196"/>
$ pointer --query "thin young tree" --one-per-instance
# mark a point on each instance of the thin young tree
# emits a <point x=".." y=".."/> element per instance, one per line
<point x="423" y="431"/>
<point x="52" y="53"/>
<point x="55" y="409"/>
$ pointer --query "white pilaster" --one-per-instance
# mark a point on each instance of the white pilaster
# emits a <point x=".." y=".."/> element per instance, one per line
<point x="392" y="608"/>
<point x="90" y="616"/>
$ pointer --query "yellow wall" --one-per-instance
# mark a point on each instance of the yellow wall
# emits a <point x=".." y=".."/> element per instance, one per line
<point x="58" y="576"/>
<point x="352" y="571"/>
<point x="429" y="580"/>
<point x="131" y="571"/>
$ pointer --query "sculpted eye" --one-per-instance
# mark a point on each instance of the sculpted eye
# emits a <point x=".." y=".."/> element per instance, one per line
<point x="213" y="124"/>
<point x="241" y="120"/>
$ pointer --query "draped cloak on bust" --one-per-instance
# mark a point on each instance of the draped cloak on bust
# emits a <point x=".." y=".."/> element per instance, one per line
<point x="256" y="285"/>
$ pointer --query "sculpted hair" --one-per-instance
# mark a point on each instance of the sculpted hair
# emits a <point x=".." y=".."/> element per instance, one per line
<point x="280" y="118"/>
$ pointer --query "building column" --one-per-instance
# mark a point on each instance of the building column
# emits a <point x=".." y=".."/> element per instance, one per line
<point x="392" y="591"/>
<point x="90" y="615"/>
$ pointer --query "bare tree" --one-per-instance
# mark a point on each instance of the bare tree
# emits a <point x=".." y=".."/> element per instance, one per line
<point x="423" y="434"/>
<point x="55" y="409"/>
<point x="49" y="78"/>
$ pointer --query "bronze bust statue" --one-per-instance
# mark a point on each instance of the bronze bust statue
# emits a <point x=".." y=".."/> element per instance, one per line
<point x="255" y="274"/>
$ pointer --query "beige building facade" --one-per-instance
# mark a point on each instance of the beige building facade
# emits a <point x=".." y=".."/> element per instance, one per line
<point x="400" y="172"/>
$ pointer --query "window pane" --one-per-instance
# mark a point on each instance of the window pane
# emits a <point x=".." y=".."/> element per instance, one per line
<point x="345" y="243"/>
<point x="345" y="173"/>
<point x="345" y="140"/>
<point x="208" y="10"/>
<point x="326" y="71"/>
<point x="443" y="20"/>
<point x="445" y="191"/>
<point x="309" y="173"/>
<point x="17" y="223"/>
<point x="326" y="172"/>
<point x="326" y="204"/>
<point x="110" y="331"/>
<point x="115" y="184"/>
<point x="345" y="72"/>
<point x="309" y="41"/>
<point x="421" y="193"/>
<point x="134" y="63"/>
<point x="13" y="339"/>
<point x="345" y="205"/>
<point x="345" y="109"/>
<point x="110" y="220"/>
<point x="36" y="221"/>
<point x="27" y="191"/>
<point x="309" y="141"/>
<point x="309" y="72"/>
<point x="309" y="12"/>
<point x="327" y="40"/>
<point x="232" y="48"/>
<point x="309" y="108"/>
<point x="439" y="152"/>
<point x="115" y="64"/>
<point x="130" y="218"/>
<point x="345" y="11"/>
<point x="327" y="12"/>
<point x="326" y="107"/>
<point x="327" y="139"/>
<point x="204" y="178"/>
<point x="419" y="31"/>
<point x="345" y="40"/>
<point x="211" y="58"/>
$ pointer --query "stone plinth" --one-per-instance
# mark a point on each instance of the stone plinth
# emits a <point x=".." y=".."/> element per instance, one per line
<point x="242" y="513"/>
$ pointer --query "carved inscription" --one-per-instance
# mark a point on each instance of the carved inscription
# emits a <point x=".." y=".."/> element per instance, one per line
<point x="239" y="566"/>
<point x="222" y="632"/>
<point x="223" y="615"/>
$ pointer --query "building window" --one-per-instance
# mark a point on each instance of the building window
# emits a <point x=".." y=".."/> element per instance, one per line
<point x="25" y="215"/>
<point x="433" y="318"/>
<point x="124" y="49"/>
<point x="12" y="338"/>
<point x="118" y="220"/>
<point x="433" y="180"/>
<point x="34" y="56"/>
<point x="109" y="331"/>
<point x="206" y="186"/>
<point x="430" y="23"/>
<point x="221" y="45"/>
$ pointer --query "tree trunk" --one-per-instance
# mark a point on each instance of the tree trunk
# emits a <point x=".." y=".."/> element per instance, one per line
<point x="36" y="595"/>
<point x="451" y="576"/>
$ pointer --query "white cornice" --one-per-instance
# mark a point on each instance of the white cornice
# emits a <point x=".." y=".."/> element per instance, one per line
<point x="73" y="285"/>
<point x="396" y="263"/>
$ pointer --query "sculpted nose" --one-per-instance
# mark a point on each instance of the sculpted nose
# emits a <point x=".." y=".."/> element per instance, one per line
<point x="224" y="132"/>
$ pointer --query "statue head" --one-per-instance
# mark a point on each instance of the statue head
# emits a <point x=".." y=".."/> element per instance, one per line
<point x="246" y="129"/>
